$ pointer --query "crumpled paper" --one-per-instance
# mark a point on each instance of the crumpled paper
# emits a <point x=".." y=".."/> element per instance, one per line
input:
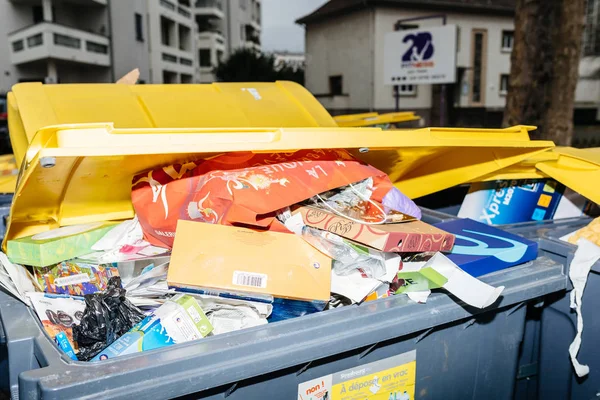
<point x="440" y="271"/>
<point x="586" y="255"/>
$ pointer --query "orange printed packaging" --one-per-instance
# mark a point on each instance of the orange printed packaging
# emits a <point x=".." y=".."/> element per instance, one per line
<point x="242" y="188"/>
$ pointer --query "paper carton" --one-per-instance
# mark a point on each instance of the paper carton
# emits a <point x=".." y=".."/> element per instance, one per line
<point x="179" y="320"/>
<point x="241" y="260"/>
<point x="508" y="202"/>
<point x="414" y="236"/>
<point x="57" y="245"/>
<point x="481" y="249"/>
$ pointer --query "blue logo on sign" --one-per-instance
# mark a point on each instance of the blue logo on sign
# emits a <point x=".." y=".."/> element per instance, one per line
<point x="507" y="254"/>
<point x="421" y="48"/>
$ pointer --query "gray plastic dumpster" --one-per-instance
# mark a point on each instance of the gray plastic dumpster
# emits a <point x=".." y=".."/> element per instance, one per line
<point x="460" y="352"/>
<point x="545" y="370"/>
<point x="550" y="363"/>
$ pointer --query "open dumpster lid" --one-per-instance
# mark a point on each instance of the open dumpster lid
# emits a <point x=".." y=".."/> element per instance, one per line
<point x="82" y="173"/>
<point x="577" y="169"/>
<point x="33" y="106"/>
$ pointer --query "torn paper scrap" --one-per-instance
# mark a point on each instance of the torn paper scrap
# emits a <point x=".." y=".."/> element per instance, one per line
<point x="419" y="297"/>
<point x="354" y="286"/>
<point x="16" y="279"/>
<point x="441" y="272"/>
<point x="470" y="290"/>
<point x="586" y="255"/>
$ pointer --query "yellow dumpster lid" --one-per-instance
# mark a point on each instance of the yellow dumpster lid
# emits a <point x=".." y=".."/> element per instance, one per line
<point x="81" y="173"/>
<point x="33" y="106"/>
<point x="351" y="117"/>
<point x="377" y="119"/>
<point x="8" y="173"/>
<point x="577" y="169"/>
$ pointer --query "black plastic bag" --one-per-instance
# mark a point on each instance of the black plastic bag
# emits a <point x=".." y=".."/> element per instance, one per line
<point x="106" y="317"/>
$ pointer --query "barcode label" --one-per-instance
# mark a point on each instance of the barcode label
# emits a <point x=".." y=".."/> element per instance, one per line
<point x="72" y="280"/>
<point x="249" y="279"/>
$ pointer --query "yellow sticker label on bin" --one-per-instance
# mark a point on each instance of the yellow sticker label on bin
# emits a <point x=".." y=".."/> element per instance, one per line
<point x="392" y="377"/>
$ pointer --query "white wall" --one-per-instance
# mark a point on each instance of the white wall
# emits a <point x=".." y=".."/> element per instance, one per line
<point x="344" y="47"/>
<point x="158" y="65"/>
<point x="12" y="17"/>
<point x="129" y="53"/>
<point x="497" y="61"/>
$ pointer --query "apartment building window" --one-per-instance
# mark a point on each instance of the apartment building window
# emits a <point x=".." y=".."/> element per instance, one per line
<point x="204" y="57"/>
<point x="478" y="66"/>
<point x="503" y="88"/>
<point x="336" y="85"/>
<point x="167" y="31"/>
<point x="219" y="56"/>
<point x="508" y="38"/>
<point x="591" y="31"/>
<point x="38" y="14"/>
<point x="139" y="28"/>
<point x="169" y="77"/>
<point x="185" y="38"/>
<point x="407" y="90"/>
<point x="186" y="78"/>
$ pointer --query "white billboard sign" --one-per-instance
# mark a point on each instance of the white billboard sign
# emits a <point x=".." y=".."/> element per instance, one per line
<point x="420" y="56"/>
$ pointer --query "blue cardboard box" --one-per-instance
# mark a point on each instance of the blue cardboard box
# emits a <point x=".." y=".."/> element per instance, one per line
<point x="480" y="249"/>
<point x="508" y="202"/>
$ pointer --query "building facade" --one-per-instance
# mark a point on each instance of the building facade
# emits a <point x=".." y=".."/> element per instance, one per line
<point x="170" y="41"/>
<point x="54" y="41"/>
<point x="352" y="81"/>
<point x="224" y="26"/>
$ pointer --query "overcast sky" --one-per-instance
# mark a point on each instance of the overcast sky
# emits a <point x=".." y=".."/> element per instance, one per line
<point x="279" y="31"/>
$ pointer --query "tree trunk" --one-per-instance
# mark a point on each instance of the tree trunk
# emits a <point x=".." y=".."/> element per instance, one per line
<point x="544" y="67"/>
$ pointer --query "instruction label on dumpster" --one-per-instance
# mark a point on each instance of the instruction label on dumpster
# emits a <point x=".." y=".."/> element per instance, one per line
<point x="390" y="378"/>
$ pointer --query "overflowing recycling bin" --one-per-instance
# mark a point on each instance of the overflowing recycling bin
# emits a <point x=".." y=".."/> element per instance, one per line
<point x="123" y="163"/>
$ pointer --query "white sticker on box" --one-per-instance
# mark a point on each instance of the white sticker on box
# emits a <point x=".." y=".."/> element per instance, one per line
<point x="250" y="279"/>
<point x="72" y="280"/>
<point x="194" y="314"/>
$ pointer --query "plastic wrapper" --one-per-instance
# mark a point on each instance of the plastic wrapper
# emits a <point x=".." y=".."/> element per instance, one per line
<point x="396" y="200"/>
<point x="355" y="203"/>
<point x="107" y="316"/>
<point x="347" y="256"/>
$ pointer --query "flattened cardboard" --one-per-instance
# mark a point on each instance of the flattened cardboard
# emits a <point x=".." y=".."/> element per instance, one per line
<point x="240" y="260"/>
<point x="414" y="236"/>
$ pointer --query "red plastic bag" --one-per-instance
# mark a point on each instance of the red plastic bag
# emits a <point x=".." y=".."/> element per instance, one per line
<point x="242" y="189"/>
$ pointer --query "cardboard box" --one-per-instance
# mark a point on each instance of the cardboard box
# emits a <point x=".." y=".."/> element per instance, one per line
<point x="413" y="236"/>
<point x="240" y="260"/>
<point x="57" y="245"/>
<point x="179" y="320"/>
<point x="481" y="249"/>
<point x="509" y="202"/>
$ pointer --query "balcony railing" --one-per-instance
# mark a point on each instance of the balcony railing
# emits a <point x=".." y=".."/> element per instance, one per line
<point x="50" y="40"/>
<point x="209" y="4"/>
<point x="209" y="39"/>
<point x="209" y="8"/>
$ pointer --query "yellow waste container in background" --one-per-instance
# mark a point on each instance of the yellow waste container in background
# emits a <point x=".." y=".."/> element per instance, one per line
<point x="375" y="119"/>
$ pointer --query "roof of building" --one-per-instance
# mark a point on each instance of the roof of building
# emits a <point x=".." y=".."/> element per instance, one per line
<point x="334" y="8"/>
